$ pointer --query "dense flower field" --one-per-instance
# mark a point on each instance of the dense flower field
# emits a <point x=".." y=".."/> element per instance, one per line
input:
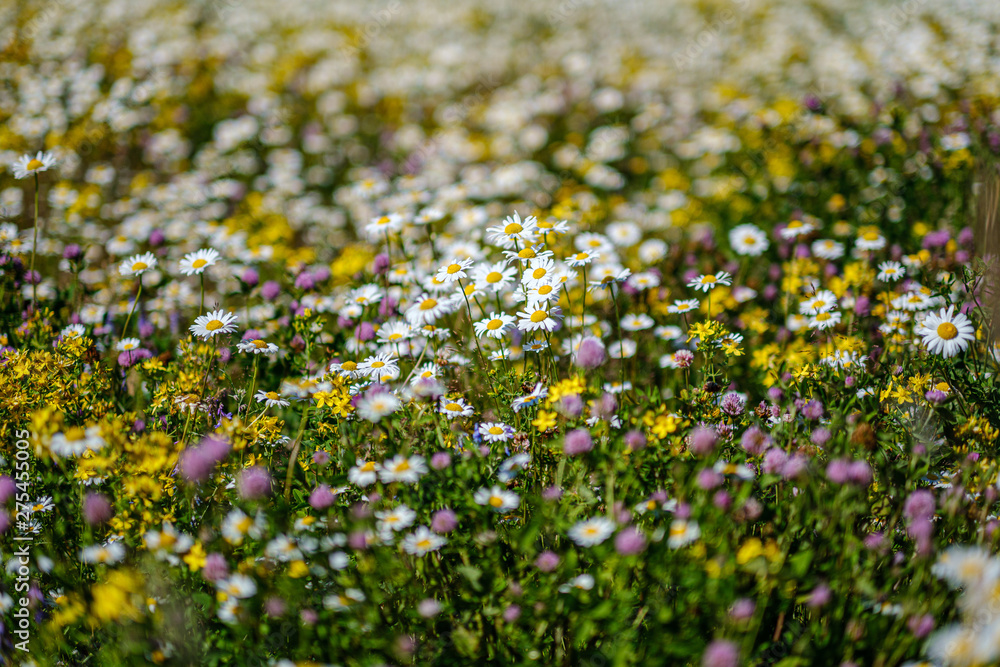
<point x="564" y="333"/>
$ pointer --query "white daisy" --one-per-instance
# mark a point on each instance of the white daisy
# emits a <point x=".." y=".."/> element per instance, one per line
<point x="257" y="346"/>
<point x="196" y="262"/>
<point x="137" y="264"/>
<point x="403" y="469"/>
<point x="26" y="165"/>
<point x="373" y="407"/>
<point x="538" y="320"/>
<point x="890" y="271"/>
<point x="422" y="541"/>
<point x="500" y="499"/>
<point x="592" y="531"/>
<point x="271" y="399"/>
<point x="215" y="323"/>
<point x="946" y="332"/>
<point x="709" y="281"/>
<point x="494" y="326"/>
<point x="749" y="240"/>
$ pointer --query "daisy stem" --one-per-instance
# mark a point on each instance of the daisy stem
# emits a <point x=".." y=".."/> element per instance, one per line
<point x="583" y="301"/>
<point x="134" y="304"/>
<point x="621" y="341"/>
<point x="34" y="247"/>
<point x="201" y="310"/>
<point x="253" y="382"/>
<point x="295" y="454"/>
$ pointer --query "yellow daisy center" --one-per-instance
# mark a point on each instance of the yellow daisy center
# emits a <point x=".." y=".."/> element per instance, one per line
<point x="272" y="395"/>
<point x="369" y="466"/>
<point x="140" y="266"/>
<point x="708" y="280"/>
<point x="493" y="325"/>
<point x="214" y="324"/>
<point x="870" y="236"/>
<point x="513" y="228"/>
<point x="198" y="263"/>
<point x="349" y="366"/>
<point x="378" y="364"/>
<point x="453" y="407"/>
<point x="749" y="240"/>
<point x="496" y="501"/>
<point x="259" y="343"/>
<point x="527" y="253"/>
<point x="538" y="273"/>
<point x="35" y="164"/>
<point x="545" y="289"/>
<point x="539" y="316"/>
<point x="427" y="304"/>
<point x="395" y="336"/>
<point x="947" y="330"/>
<point x="424" y="544"/>
<point x="494" y="277"/>
<point x="454" y="268"/>
<point x="403" y="467"/>
<point x="495" y="430"/>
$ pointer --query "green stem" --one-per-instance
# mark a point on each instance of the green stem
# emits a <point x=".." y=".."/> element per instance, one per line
<point x="134" y="304"/>
<point x="34" y="249"/>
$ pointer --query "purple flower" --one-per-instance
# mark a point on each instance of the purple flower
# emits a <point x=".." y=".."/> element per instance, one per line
<point x="936" y="396"/>
<point x="250" y="277"/>
<point x="635" y="440"/>
<point x="577" y="441"/>
<point x="444" y="521"/>
<point x="742" y="609"/>
<point x="794" y="466"/>
<point x="920" y="626"/>
<point x="861" y="473"/>
<point x="819" y="596"/>
<point x="839" y="471"/>
<point x="547" y="561"/>
<point x="702" y="440"/>
<point x="511" y="613"/>
<point x="215" y="567"/>
<point x="774" y="461"/>
<point x="4" y="521"/>
<point x="380" y="264"/>
<point x="96" y="509"/>
<point x="270" y="290"/>
<point x="919" y="505"/>
<point x="132" y="357"/>
<point x="721" y="653"/>
<point x="755" y="441"/>
<point x="321" y="497"/>
<point x="305" y="281"/>
<point x="8" y="488"/>
<point x="253" y="483"/>
<point x="429" y="607"/>
<point x="440" y="460"/>
<point x="321" y="457"/>
<point x="197" y="463"/>
<point x="820" y="436"/>
<point x="590" y="354"/>
<point x="629" y="542"/>
<point x="708" y="479"/>
<point x="813" y="410"/>
<point x="733" y="404"/>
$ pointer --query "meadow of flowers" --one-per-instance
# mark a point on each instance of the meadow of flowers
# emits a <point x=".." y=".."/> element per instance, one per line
<point x="572" y="332"/>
